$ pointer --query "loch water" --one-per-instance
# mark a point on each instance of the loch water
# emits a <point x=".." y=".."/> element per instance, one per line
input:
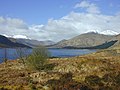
<point x="11" y="53"/>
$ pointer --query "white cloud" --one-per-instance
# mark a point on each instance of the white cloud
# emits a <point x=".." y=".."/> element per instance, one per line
<point x="20" y="36"/>
<point x="12" y="26"/>
<point x="77" y="23"/>
<point x="83" y="4"/>
<point x="90" y="7"/>
<point x="66" y="27"/>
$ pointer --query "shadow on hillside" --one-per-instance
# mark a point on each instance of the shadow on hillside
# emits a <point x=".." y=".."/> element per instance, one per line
<point x="102" y="46"/>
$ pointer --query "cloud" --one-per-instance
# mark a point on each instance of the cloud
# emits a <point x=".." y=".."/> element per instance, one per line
<point x="66" y="27"/>
<point x="16" y="27"/>
<point x="12" y="22"/>
<point x="90" y="7"/>
<point x="12" y="26"/>
<point x="20" y="36"/>
<point x="73" y="24"/>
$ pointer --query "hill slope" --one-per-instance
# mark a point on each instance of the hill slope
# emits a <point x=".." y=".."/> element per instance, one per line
<point x="84" y="40"/>
<point x="102" y="46"/>
<point x="32" y="43"/>
<point x="5" y="42"/>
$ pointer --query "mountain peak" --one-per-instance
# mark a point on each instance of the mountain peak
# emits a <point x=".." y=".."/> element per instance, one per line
<point x="109" y="32"/>
<point x="106" y="32"/>
<point x="92" y="32"/>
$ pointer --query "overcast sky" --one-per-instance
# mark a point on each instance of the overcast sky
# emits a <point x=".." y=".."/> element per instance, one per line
<point x="57" y="19"/>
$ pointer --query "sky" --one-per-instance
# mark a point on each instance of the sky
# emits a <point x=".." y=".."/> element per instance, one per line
<point x="57" y="19"/>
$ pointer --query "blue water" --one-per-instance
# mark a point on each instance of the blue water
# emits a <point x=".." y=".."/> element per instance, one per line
<point x="12" y="55"/>
<point x="69" y="52"/>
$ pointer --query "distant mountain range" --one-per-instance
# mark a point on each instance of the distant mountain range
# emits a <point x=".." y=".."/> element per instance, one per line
<point x="27" y="41"/>
<point x="21" y="42"/>
<point x="5" y="42"/>
<point x="89" y="40"/>
<point x="32" y="43"/>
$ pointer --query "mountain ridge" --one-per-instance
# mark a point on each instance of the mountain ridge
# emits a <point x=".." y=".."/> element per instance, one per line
<point x="5" y="42"/>
<point x="32" y="43"/>
<point x="91" y="39"/>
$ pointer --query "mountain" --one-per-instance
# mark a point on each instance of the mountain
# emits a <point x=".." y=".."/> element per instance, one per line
<point x="32" y="43"/>
<point x="90" y="39"/>
<point x="5" y="42"/>
<point x="102" y="46"/>
<point x="27" y="41"/>
<point x="109" y="32"/>
<point x="117" y="37"/>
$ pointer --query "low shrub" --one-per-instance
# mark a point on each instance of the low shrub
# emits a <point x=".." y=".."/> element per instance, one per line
<point x="22" y="54"/>
<point x="38" y="59"/>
